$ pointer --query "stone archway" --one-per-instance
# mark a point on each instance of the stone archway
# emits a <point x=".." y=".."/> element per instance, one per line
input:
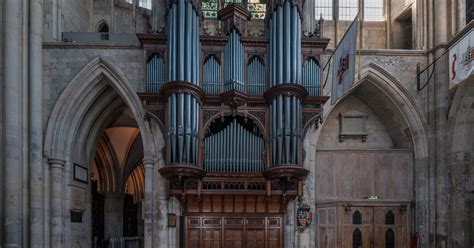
<point x="78" y="118"/>
<point x="389" y="99"/>
<point x="460" y="150"/>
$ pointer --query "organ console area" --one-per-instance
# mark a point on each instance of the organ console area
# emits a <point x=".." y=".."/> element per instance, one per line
<point x="234" y="108"/>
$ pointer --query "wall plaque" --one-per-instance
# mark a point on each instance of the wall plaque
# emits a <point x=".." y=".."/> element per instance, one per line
<point x="353" y="124"/>
<point x="81" y="174"/>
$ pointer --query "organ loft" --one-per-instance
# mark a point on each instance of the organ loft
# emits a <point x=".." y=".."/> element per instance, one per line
<point x="235" y="107"/>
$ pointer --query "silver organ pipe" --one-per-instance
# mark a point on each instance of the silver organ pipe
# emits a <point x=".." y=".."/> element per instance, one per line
<point x="233" y="149"/>
<point x="234" y="61"/>
<point x="155" y="73"/>
<point x="212" y="75"/>
<point x="255" y="76"/>
<point x="311" y="76"/>
<point x="285" y="67"/>
<point x="183" y="108"/>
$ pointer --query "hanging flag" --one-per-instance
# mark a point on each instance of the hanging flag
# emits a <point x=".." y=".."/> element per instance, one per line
<point x="343" y="70"/>
<point x="461" y="59"/>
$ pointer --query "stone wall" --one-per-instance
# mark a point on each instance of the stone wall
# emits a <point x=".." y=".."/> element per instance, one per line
<point x="76" y="16"/>
<point x="374" y="33"/>
<point x="62" y="62"/>
<point x="121" y="17"/>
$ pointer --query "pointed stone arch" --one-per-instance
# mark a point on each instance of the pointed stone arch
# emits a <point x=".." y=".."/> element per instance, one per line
<point x="99" y="80"/>
<point x="83" y="110"/>
<point x="397" y="109"/>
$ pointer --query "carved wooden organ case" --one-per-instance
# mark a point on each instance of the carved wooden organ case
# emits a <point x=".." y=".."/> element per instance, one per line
<point x="233" y="106"/>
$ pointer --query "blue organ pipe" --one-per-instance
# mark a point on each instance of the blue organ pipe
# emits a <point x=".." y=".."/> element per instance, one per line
<point x="294" y="46"/>
<point x="287" y="128"/>
<point x="287" y="43"/>
<point x="294" y="128"/>
<point x="181" y="33"/>
<point x="187" y="51"/>
<point x="280" y="46"/>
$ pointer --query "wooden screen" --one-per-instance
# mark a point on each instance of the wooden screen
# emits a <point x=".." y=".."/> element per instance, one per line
<point x="233" y="231"/>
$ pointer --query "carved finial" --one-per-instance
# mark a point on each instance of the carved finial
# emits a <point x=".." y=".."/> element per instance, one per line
<point x="234" y="16"/>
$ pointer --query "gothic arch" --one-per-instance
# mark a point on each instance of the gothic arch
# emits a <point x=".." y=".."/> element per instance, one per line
<point x="395" y="106"/>
<point x="99" y="88"/>
<point x="460" y="127"/>
<point x="397" y="109"/>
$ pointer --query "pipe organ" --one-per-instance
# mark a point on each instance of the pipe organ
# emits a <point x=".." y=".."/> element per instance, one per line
<point x="212" y="75"/>
<point x="234" y="148"/>
<point x="238" y="115"/>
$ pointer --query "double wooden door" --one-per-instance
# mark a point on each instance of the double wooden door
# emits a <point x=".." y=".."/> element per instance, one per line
<point x="234" y="232"/>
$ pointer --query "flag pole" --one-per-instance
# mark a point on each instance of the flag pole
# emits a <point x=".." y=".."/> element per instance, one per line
<point x="360" y="41"/>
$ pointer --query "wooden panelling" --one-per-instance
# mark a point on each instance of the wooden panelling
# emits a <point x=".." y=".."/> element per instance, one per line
<point x="335" y="225"/>
<point x="234" y="231"/>
<point x="354" y="175"/>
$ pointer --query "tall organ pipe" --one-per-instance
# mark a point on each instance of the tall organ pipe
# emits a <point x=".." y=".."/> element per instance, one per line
<point x="285" y="67"/>
<point x="183" y="49"/>
<point x="234" y="61"/>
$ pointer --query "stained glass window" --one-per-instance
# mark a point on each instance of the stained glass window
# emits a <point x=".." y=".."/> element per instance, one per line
<point x="257" y="9"/>
<point x="209" y="8"/>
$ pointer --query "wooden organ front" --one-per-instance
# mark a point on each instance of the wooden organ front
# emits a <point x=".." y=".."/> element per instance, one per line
<point x="234" y="107"/>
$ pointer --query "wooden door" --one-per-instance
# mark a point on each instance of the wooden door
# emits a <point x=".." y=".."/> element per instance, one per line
<point x="212" y="238"/>
<point x="234" y="238"/>
<point x="255" y="238"/>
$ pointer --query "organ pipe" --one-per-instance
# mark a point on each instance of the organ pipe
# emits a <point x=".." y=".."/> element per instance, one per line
<point x="183" y="108"/>
<point x="233" y="63"/>
<point x="311" y="76"/>
<point x="233" y="149"/>
<point x="255" y="76"/>
<point x="285" y="67"/>
<point x="212" y="75"/>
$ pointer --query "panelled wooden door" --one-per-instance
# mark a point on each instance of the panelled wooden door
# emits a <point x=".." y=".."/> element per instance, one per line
<point x="234" y="232"/>
<point x="369" y="227"/>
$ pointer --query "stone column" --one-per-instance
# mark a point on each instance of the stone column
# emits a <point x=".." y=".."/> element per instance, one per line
<point x="113" y="214"/>
<point x="148" y="164"/>
<point x="13" y="166"/>
<point x="56" y="170"/>
<point x="36" y="123"/>
<point x="438" y="117"/>
<point x="158" y="14"/>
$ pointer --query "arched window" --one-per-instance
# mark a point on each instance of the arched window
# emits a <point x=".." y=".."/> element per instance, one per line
<point x="389" y="218"/>
<point x="212" y="75"/>
<point x="324" y="8"/>
<point x="356" y="238"/>
<point x="356" y="218"/>
<point x="103" y="27"/>
<point x="257" y="9"/>
<point x="155" y="73"/>
<point x="255" y="76"/>
<point x="348" y="9"/>
<point x="373" y="10"/>
<point x="389" y="239"/>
